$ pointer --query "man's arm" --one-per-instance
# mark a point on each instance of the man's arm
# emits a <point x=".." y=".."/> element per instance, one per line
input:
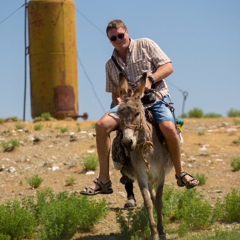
<point x="116" y="98"/>
<point x="161" y="73"/>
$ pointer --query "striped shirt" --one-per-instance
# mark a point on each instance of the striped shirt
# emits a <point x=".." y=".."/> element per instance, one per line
<point x="144" y="55"/>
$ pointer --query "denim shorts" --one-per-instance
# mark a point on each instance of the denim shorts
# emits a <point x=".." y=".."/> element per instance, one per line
<point x="160" y="110"/>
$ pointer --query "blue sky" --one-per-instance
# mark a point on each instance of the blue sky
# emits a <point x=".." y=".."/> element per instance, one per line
<point x="202" y="38"/>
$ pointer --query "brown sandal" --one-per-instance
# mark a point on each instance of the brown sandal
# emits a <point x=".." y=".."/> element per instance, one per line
<point x="181" y="183"/>
<point x="104" y="188"/>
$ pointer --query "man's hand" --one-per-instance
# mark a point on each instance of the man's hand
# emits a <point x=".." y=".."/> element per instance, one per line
<point x="148" y="85"/>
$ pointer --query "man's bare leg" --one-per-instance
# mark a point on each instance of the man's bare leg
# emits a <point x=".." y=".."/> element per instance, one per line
<point x="104" y="126"/>
<point x="173" y="143"/>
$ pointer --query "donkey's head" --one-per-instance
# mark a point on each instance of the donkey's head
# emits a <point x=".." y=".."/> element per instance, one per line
<point x="131" y="111"/>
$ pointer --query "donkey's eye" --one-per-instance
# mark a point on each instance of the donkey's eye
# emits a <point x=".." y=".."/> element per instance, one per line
<point x="137" y="114"/>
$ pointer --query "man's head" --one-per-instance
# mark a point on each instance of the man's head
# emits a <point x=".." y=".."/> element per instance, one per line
<point x="115" y="24"/>
<point x="118" y="34"/>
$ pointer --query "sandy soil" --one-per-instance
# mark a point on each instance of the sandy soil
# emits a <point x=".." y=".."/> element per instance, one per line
<point x="208" y="149"/>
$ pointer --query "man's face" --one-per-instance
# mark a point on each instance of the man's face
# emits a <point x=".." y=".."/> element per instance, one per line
<point x="119" y="38"/>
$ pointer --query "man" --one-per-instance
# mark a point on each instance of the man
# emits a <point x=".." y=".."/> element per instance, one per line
<point x="135" y="57"/>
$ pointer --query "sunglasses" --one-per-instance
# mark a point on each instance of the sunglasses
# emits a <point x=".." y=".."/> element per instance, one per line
<point x="119" y="36"/>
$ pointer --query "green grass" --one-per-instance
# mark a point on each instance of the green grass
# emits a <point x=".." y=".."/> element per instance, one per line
<point x="10" y="145"/>
<point x="49" y="216"/>
<point x="90" y="162"/>
<point x="235" y="164"/>
<point x="34" y="181"/>
<point x="38" y="127"/>
<point x="233" y="234"/>
<point x="190" y="211"/>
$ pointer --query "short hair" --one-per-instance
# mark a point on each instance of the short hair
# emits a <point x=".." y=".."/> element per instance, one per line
<point x="115" y="24"/>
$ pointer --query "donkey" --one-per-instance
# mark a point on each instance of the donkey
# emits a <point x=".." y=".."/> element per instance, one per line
<point x="149" y="159"/>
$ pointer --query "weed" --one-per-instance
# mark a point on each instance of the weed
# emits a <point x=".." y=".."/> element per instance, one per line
<point x="90" y="162"/>
<point x="10" y="145"/>
<point x="34" y="181"/>
<point x="52" y="216"/>
<point x="237" y="141"/>
<point x="193" y="210"/>
<point x="19" y="125"/>
<point x="234" y="234"/>
<point x="228" y="210"/>
<point x="14" y="119"/>
<point x="233" y="113"/>
<point x="212" y="115"/>
<point x="46" y="116"/>
<point x="63" y="215"/>
<point x="38" y="127"/>
<point x="1" y="120"/>
<point x="201" y="133"/>
<point x="237" y="121"/>
<point x="201" y="178"/>
<point x="195" y="113"/>
<point x="70" y="181"/>
<point x="170" y="201"/>
<point x="236" y="164"/>
<point x="134" y="225"/>
<point x="63" y="129"/>
<point x="16" y="222"/>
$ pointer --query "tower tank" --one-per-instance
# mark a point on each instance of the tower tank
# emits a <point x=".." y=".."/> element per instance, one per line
<point x="53" y="58"/>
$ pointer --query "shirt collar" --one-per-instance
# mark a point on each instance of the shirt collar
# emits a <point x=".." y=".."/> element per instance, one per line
<point x="130" y="48"/>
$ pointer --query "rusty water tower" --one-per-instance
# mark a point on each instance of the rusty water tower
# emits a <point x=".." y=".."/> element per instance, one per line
<point x="53" y="58"/>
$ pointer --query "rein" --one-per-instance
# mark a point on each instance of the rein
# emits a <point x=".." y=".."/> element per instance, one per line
<point x="143" y="146"/>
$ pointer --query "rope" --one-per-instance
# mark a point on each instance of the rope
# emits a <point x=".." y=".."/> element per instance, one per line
<point x="144" y="147"/>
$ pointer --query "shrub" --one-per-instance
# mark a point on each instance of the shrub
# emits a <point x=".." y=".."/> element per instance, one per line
<point x="70" y="181"/>
<point x="233" y="113"/>
<point x="135" y="224"/>
<point x="236" y="164"/>
<point x="195" y="113"/>
<point x="46" y="116"/>
<point x="193" y="211"/>
<point x="34" y="181"/>
<point x="10" y="145"/>
<point x="52" y="216"/>
<point x="237" y="121"/>
<point x="212" y="115"/>
<point x="237" y="141"/>
<point x="16" y="222"/>
<point x="90" y="162"/>
<point x="38" y="127"/>
<point x="63" y="215"/>
<point x="234" y="234"/>
<point x="228" y="210"/>
<point x="201" y="178"/>
<point x="170" y="201"/>
<point x="19" y="125"/>
<point x="63" y="129"/>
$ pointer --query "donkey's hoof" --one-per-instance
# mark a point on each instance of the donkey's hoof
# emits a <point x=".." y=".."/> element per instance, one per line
<point x="163" y="236"/>
<point x="155" y="237"/>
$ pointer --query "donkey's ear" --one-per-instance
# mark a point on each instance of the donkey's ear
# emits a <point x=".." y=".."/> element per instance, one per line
<point x="141" y="85"/>
<point x="123" y="85"/>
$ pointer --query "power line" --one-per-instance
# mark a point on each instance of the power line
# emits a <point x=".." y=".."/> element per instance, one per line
<point x="85" y="72"/>
<point x="94" y="25"/>
<point x="11" y="14"/>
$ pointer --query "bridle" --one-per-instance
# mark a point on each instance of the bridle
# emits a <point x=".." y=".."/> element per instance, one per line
<point x="143" y="146"/>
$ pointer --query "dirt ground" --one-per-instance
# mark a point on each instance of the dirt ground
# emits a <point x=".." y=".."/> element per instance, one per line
<point x="209" y="147"/>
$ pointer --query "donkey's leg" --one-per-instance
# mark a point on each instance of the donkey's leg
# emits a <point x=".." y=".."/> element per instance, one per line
<point x="152" y="193"/>
<point x="159" y="205"/>
<point x="143" y="185"/>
